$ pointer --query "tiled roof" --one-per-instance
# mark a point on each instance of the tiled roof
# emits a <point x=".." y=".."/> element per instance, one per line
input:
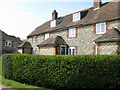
<point x="111" y="35"/>
<point x="53" y="41"/>
<point x="108" y="11"/>
<point x="25" y="45"/>
<point x="6" y="36"/>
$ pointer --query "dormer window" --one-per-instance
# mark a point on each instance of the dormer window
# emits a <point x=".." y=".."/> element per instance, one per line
<point x="76" y="17"/>
<point x="53" y="23"/>
<point x="47" y="35"/>
<point x="101" y="28"/>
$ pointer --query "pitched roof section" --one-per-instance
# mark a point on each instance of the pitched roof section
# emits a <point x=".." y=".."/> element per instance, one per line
<point x="25" y="45"/>
<point x="54" y="41"/>
<point x="108" y="11"/>
<point x="111" y="35"/>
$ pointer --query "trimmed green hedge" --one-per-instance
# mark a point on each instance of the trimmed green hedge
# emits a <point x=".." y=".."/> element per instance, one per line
<point x="82" y="71"/>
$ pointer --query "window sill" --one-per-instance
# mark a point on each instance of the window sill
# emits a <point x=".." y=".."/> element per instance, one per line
<point x="72" y="37"/>
<point x="100" y="33"/>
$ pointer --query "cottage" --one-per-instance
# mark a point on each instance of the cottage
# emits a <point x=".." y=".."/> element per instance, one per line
<point x="8" y="43"/>
<point x="94" y="30"/>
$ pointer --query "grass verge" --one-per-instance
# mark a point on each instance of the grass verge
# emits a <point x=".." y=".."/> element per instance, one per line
<point x="14" y="84"/>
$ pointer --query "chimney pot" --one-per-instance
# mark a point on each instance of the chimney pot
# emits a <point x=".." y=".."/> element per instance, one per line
<point x="54" y="15"/>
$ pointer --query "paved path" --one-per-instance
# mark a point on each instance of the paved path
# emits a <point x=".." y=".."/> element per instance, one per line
<point x="2" y="87"/>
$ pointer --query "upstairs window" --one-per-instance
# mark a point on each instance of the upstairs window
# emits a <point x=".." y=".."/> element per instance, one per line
<point x="71" y="51"/>
<point x="76" y="16"/>
<point x="34" y="39"/>
<point x="72" y="32"/>
<point x="101" y="28"/>
<point x="53" y="23"/>
<point x="8" y="43"/>
<point x="47" y="35"/>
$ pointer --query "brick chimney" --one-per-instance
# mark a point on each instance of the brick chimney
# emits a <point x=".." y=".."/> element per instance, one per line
<point x="54" y="15"/>
<point x="97" y="4"/>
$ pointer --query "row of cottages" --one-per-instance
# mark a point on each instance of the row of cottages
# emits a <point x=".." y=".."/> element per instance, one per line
<point x="8" y="43"/>
<point x="94" y="30"/>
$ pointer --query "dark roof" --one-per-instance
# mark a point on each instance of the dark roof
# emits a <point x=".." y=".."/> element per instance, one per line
<point x="53" y="41"/>
<point x="25" y="45"/>
<point x="108" y="11"/>
<point x="111" y="35"/>
<point x="5" y="35"/>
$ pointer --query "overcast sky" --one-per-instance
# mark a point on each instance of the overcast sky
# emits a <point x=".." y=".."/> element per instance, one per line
<point x="21" y="17"/>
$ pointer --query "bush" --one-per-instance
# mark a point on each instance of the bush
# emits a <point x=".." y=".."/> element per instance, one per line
<point x="82" y="71"/>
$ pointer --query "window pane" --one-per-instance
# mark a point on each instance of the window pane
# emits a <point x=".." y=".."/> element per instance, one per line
<point x="76" y="16"/>
<point x="46" y="36"/>
<point x="72" y="32"/>
<point x="8" y="43"/>
<point x="103" y="27"/>
<point x="63" y="50"/>
<point x="34" y="51"/>
<point x="100" y="28"/>
<point x="34" y="38"/>
<point x="73" y="53"/>
<point x="71" y="50"/>
<point x="97" y="28"/>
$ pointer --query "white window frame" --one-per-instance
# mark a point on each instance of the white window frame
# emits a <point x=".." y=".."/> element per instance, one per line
<point x="53" y="23"/>
<point x="34" y="38"/>
<point x="47" y="35"/>
<point x="99" y="28"/>
<point x="72" y="32"/>
<point x="34" y="51"/>
<point x="71" y="53"/>
<point x="76" y="16"/>
<point x="8" y="43"/>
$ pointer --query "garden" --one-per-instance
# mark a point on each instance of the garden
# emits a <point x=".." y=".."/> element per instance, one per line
<point x="63" y="71"/>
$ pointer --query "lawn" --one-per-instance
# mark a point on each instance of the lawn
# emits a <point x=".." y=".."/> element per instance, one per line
<point x="14" y="84"/>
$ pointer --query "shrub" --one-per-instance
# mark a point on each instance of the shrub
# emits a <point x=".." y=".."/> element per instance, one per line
<point x="82" y="71"/>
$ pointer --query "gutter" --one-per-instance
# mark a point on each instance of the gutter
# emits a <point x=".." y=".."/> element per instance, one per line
<point x="108" y="40"/>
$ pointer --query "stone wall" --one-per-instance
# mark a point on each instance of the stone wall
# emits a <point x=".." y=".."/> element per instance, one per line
<point x="47" y="51"/>
<point x="114" y="24"/>
<point x="34" y="44"/>
<point x="84" y="42"/>
<point x="108" y="48"/>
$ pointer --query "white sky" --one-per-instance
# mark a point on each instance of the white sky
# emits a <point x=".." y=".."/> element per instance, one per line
<point x="14" y="21"/>
<point x="21" y="17"/>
